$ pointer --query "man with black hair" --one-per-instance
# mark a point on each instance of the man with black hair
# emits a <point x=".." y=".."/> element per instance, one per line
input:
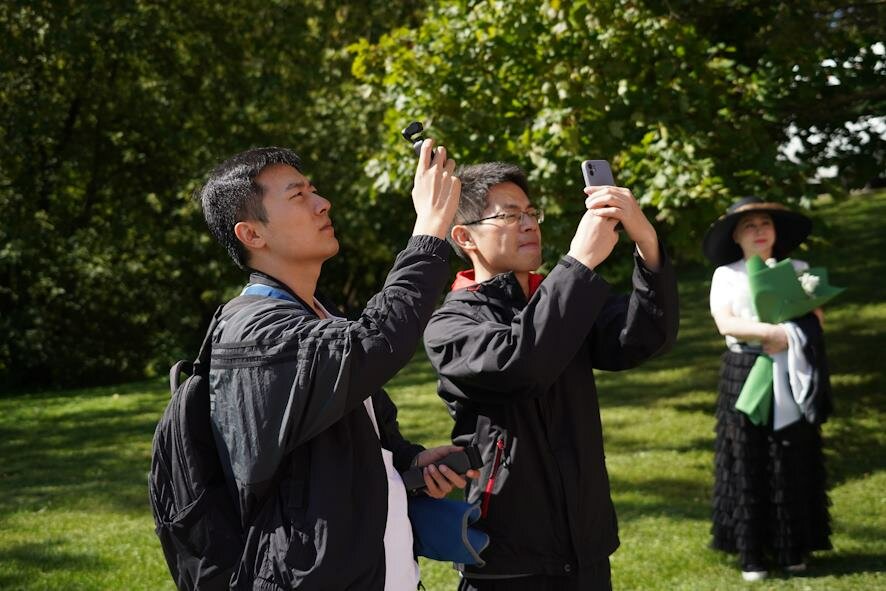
<point x="515" y="353"/>
<point x="309" y="439"/>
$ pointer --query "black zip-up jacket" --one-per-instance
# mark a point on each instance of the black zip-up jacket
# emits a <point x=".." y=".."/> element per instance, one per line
<point x="299" y="449"/>
<point x="518" y="379"/>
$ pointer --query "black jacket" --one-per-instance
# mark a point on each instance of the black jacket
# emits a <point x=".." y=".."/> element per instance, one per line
<point x="818" y="402"/>
<point x="301" y="453"/>
<point x="517" y="377"/>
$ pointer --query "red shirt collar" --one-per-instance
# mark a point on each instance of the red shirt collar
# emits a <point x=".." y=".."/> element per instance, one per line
<point x="466" y="280"/>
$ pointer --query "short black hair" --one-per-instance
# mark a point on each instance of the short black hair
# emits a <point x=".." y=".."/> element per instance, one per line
<point x="476" y="181"/>
<point x="231" y="195"/>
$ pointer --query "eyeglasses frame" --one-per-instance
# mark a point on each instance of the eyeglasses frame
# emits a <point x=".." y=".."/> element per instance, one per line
<point x="503" y="215"/>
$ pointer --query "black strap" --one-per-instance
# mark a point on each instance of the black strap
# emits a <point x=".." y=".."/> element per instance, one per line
<point x="175" y="374"/>
<point x="206" y="348"/>
<point x="202" y="361"/>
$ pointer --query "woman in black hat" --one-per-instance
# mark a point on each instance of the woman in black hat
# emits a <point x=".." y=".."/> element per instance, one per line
<point x="770" y="502"/>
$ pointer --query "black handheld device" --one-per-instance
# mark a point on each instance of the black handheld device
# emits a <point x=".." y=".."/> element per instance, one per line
<point x="597" y="173"/>
<point x="411" y="133"/>
<point x="460" y="461"/>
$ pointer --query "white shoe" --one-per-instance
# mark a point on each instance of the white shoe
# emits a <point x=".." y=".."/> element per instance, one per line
<point x="753" y="575"/>
<point x="796" y="569"/>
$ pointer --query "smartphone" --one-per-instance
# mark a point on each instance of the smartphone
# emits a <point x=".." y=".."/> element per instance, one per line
<point x="597" y="173"/>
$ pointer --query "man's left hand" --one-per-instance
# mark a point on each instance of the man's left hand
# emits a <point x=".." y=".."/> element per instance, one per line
<point x="441" y="480"/>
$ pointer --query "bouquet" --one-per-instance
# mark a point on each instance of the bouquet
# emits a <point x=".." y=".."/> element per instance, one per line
<point x="778" y="295"/>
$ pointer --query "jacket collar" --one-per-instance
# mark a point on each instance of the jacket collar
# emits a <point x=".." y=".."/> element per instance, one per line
<point x="265" y="279"/>
<point x="466" y="280"/>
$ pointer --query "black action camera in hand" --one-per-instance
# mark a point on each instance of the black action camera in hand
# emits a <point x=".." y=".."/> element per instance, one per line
<point x="460" y="462"/>
<point x="409" y="134"/>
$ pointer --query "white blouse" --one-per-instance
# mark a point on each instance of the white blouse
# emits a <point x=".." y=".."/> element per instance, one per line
<point x="729" y="286"/>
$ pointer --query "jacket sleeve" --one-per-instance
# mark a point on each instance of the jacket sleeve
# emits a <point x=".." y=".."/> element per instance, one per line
<point x="297" y="375"/>
<point x="389" y="432"/>
<point x="350" y="360"/>
<point x="632" y="328"/>
<point x="495" y="361"/>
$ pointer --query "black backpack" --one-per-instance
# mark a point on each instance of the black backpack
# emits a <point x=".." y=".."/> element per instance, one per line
<point x="195" y="515"/>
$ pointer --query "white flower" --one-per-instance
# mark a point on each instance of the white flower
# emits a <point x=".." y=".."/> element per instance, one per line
<point x="809" y="283"/>
<point x="770" y="262"/>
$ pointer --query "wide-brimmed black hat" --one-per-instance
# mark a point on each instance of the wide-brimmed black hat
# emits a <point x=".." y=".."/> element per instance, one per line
<point x="791" y="229"/>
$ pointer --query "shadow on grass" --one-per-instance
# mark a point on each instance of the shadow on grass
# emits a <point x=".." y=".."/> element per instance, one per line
<point x="680" y="498"/>
<point x="706" y="407"/>
<point x="842" y="564"/>
<point x="822" y="564"/>
<point x="46" y="558"/>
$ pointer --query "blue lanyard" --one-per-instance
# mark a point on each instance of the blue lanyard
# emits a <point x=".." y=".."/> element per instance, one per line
<point x="258" y="289"/>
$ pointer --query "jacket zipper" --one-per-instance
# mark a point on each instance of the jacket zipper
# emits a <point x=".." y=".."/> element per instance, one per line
<point x="490" y="484"/>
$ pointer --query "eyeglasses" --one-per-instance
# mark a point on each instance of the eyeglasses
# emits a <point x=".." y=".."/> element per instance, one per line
<point x="509" y="218"/>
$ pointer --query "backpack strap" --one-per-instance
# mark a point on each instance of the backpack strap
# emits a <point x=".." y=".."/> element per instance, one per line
<point x="190" y="368"/>
<point x="206" y="348"/>
<point x="260" y="289"/>
<point x="175" y="374"/>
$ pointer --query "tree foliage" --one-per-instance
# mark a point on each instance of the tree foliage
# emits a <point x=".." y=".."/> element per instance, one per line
<point x="691" y="101"/>
<point x="110" y="114"/>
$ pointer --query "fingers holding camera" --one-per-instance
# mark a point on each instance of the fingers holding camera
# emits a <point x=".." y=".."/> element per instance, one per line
<point x="618" y="203"/>
<point x="435" y="192"/>
<point x="594" y="239"/>
<point x="441" y="479"/>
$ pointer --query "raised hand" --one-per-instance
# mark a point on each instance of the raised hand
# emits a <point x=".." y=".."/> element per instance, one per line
<point x="618" y="203"/>
<point x="435" y="192"/>
<point x="594" y="239"/>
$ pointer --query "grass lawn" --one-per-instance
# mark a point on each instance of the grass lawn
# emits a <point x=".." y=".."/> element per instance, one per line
<point x="73" y="464"/>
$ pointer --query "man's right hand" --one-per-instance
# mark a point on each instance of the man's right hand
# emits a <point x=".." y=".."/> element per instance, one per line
<point x="435" y="193"/>
<point x="594" y="239"/>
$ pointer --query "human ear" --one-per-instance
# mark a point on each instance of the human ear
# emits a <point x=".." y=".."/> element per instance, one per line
<point x="249" y="234"/>
<point x="462" y="237"/>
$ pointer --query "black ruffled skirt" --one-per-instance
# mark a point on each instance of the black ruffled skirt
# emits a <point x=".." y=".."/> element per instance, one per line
<point x="770" y="498"/>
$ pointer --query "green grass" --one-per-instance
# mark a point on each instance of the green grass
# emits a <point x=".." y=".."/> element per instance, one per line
<point x="73" y="464"/>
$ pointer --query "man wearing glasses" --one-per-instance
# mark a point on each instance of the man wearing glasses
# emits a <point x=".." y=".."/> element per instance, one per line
<point x="515" y="353"/>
